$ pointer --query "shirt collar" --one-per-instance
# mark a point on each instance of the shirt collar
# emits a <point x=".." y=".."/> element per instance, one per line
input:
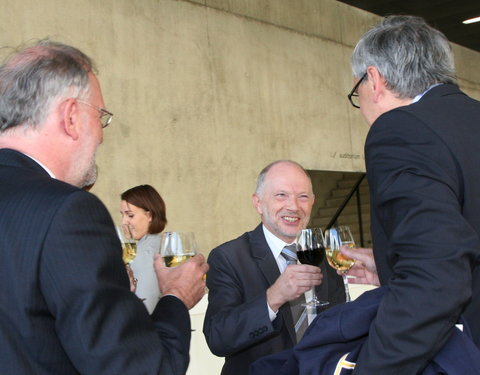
<point x="419" y="96"/>
<point x="41" y="165"/>
<point x="274" y="243"/>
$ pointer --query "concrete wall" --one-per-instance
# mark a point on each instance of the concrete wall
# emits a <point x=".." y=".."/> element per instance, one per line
<point x="205" y="93"/>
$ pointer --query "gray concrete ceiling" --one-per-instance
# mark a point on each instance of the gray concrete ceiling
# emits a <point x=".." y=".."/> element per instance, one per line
<point x="445" y="15"/>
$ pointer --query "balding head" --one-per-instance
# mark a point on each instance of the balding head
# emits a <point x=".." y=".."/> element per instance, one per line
<point x="284" y="198"/>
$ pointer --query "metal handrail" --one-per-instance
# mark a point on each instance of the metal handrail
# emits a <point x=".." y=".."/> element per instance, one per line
<point x="354" y="190"/>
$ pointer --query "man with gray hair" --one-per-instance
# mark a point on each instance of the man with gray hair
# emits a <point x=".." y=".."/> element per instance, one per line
<point x="65" y="300"/>
<point x="254" y="290"/>
<point x="423" y="168"/>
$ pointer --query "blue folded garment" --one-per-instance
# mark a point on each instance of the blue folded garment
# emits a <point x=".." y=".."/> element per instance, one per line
<point x="333" y="341"/>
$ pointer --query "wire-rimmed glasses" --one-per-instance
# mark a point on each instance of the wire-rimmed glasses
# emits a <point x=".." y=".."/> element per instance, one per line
<point x="105" y="116"/>
<point x="353" y="96"/>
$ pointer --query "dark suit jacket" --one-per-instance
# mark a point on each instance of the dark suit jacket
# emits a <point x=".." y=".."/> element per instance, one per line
<point x="423" y="169"/>
<point x="237" y="324"/>
<point x="65" y="303"/>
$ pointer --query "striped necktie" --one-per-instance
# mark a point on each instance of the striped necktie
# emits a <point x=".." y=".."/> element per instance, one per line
<point x="299" y="312"/>
<point x="289" y="252"/>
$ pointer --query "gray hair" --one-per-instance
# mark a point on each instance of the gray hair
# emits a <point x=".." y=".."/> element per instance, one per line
<point x="409" y="54"/>
<point x="263" y="173"/>
<point x="32" y="79"/>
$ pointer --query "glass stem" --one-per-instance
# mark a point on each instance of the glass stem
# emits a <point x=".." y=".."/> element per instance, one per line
<point x="347" y="290"/>
<point x="314" y="296"/>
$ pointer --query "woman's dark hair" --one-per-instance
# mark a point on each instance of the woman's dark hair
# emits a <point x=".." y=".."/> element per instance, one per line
<point x="146" y="197"/>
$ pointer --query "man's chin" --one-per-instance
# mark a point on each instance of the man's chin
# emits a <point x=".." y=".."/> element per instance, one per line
<point x="89" y="179"/>
<point x="292" y="232"/>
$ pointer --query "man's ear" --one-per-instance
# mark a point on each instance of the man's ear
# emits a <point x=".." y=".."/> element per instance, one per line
<point x="256" y="203"/>
<point x="376" y="81"/>
<point x="69" y="118"/>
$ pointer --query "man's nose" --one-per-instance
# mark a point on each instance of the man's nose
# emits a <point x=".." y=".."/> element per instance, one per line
<point x="292" y="203"/>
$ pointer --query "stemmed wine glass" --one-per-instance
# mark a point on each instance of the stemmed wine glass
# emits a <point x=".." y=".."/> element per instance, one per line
<point x="129" y="245"/>
<point x="311" y="250"/>
<point x="334" y="239"/>
<point x="177" y="247"/>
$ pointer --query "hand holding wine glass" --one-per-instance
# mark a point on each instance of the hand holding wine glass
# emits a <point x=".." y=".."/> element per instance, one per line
<point x="334" y="239"/>
<point x="364" y="270"/>
<point x="311" y="250"/>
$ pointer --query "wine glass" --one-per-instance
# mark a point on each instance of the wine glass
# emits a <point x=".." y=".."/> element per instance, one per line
<point x="311" y="250"/>
<point x="177" y="247"/>
<point x="334" y="239"/>
<point x="129" y="245"/>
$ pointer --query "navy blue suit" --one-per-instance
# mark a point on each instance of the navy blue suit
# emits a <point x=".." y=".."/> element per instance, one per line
<point x="331" y="345"/>
<point x="423" y="168"/>
<point x="237" y="325"/>
<point x="65" y="303"/>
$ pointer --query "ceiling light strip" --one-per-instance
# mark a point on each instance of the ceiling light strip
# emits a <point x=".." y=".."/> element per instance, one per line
<point x="471" y="20"/>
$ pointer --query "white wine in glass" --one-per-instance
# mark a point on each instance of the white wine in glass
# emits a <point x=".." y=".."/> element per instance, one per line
<point x="334" y="239"/>
<point x="129" y="245"/>
<point x="177" y="247"/>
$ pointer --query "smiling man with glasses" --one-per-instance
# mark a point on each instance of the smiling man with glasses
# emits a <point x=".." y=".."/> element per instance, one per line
<point x="72" y="312"/>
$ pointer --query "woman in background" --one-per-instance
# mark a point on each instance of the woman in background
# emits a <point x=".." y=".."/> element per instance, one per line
<point x="143" y="210"/>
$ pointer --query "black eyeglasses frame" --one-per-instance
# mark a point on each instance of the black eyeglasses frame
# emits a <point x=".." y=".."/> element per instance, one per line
<point x="354" y="91"/>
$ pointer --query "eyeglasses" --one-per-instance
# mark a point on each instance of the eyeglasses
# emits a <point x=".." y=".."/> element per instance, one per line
<point x="105" y="117"/>
<point x="353" y="96"/>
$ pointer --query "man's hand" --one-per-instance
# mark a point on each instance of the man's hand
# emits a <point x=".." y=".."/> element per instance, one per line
<point x="293" y="282"/>
<point x="364" y="269"/>
<point x="185" y="281"/>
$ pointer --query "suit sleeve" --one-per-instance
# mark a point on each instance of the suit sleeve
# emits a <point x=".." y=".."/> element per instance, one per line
<point x="102" y="326"/>
<point x="416" y="192"/>
<point x="232" y="323"/>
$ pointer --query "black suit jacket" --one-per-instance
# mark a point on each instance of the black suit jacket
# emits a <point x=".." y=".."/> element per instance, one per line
<point x="237" y="325"/>
<point x="65" y="304"/>
<point x="423" y="169"/>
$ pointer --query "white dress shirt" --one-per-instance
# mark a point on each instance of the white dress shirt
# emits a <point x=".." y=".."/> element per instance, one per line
<point x="276" y="245"/>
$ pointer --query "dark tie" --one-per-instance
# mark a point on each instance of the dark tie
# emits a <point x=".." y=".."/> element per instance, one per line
<point x="299" y="312"/>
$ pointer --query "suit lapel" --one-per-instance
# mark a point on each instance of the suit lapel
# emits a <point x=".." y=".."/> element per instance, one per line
<point x="268" y="266"/>
<point x="263" y="255"/>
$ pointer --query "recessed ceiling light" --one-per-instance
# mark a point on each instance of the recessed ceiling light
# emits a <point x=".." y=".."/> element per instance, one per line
<point x="471" y="20"/>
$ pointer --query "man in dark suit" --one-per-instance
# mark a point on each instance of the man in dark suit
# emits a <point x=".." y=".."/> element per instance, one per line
<point x="65" y="303"/>
<point x="423" y="169"/>
<point x="251" y="288"/>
